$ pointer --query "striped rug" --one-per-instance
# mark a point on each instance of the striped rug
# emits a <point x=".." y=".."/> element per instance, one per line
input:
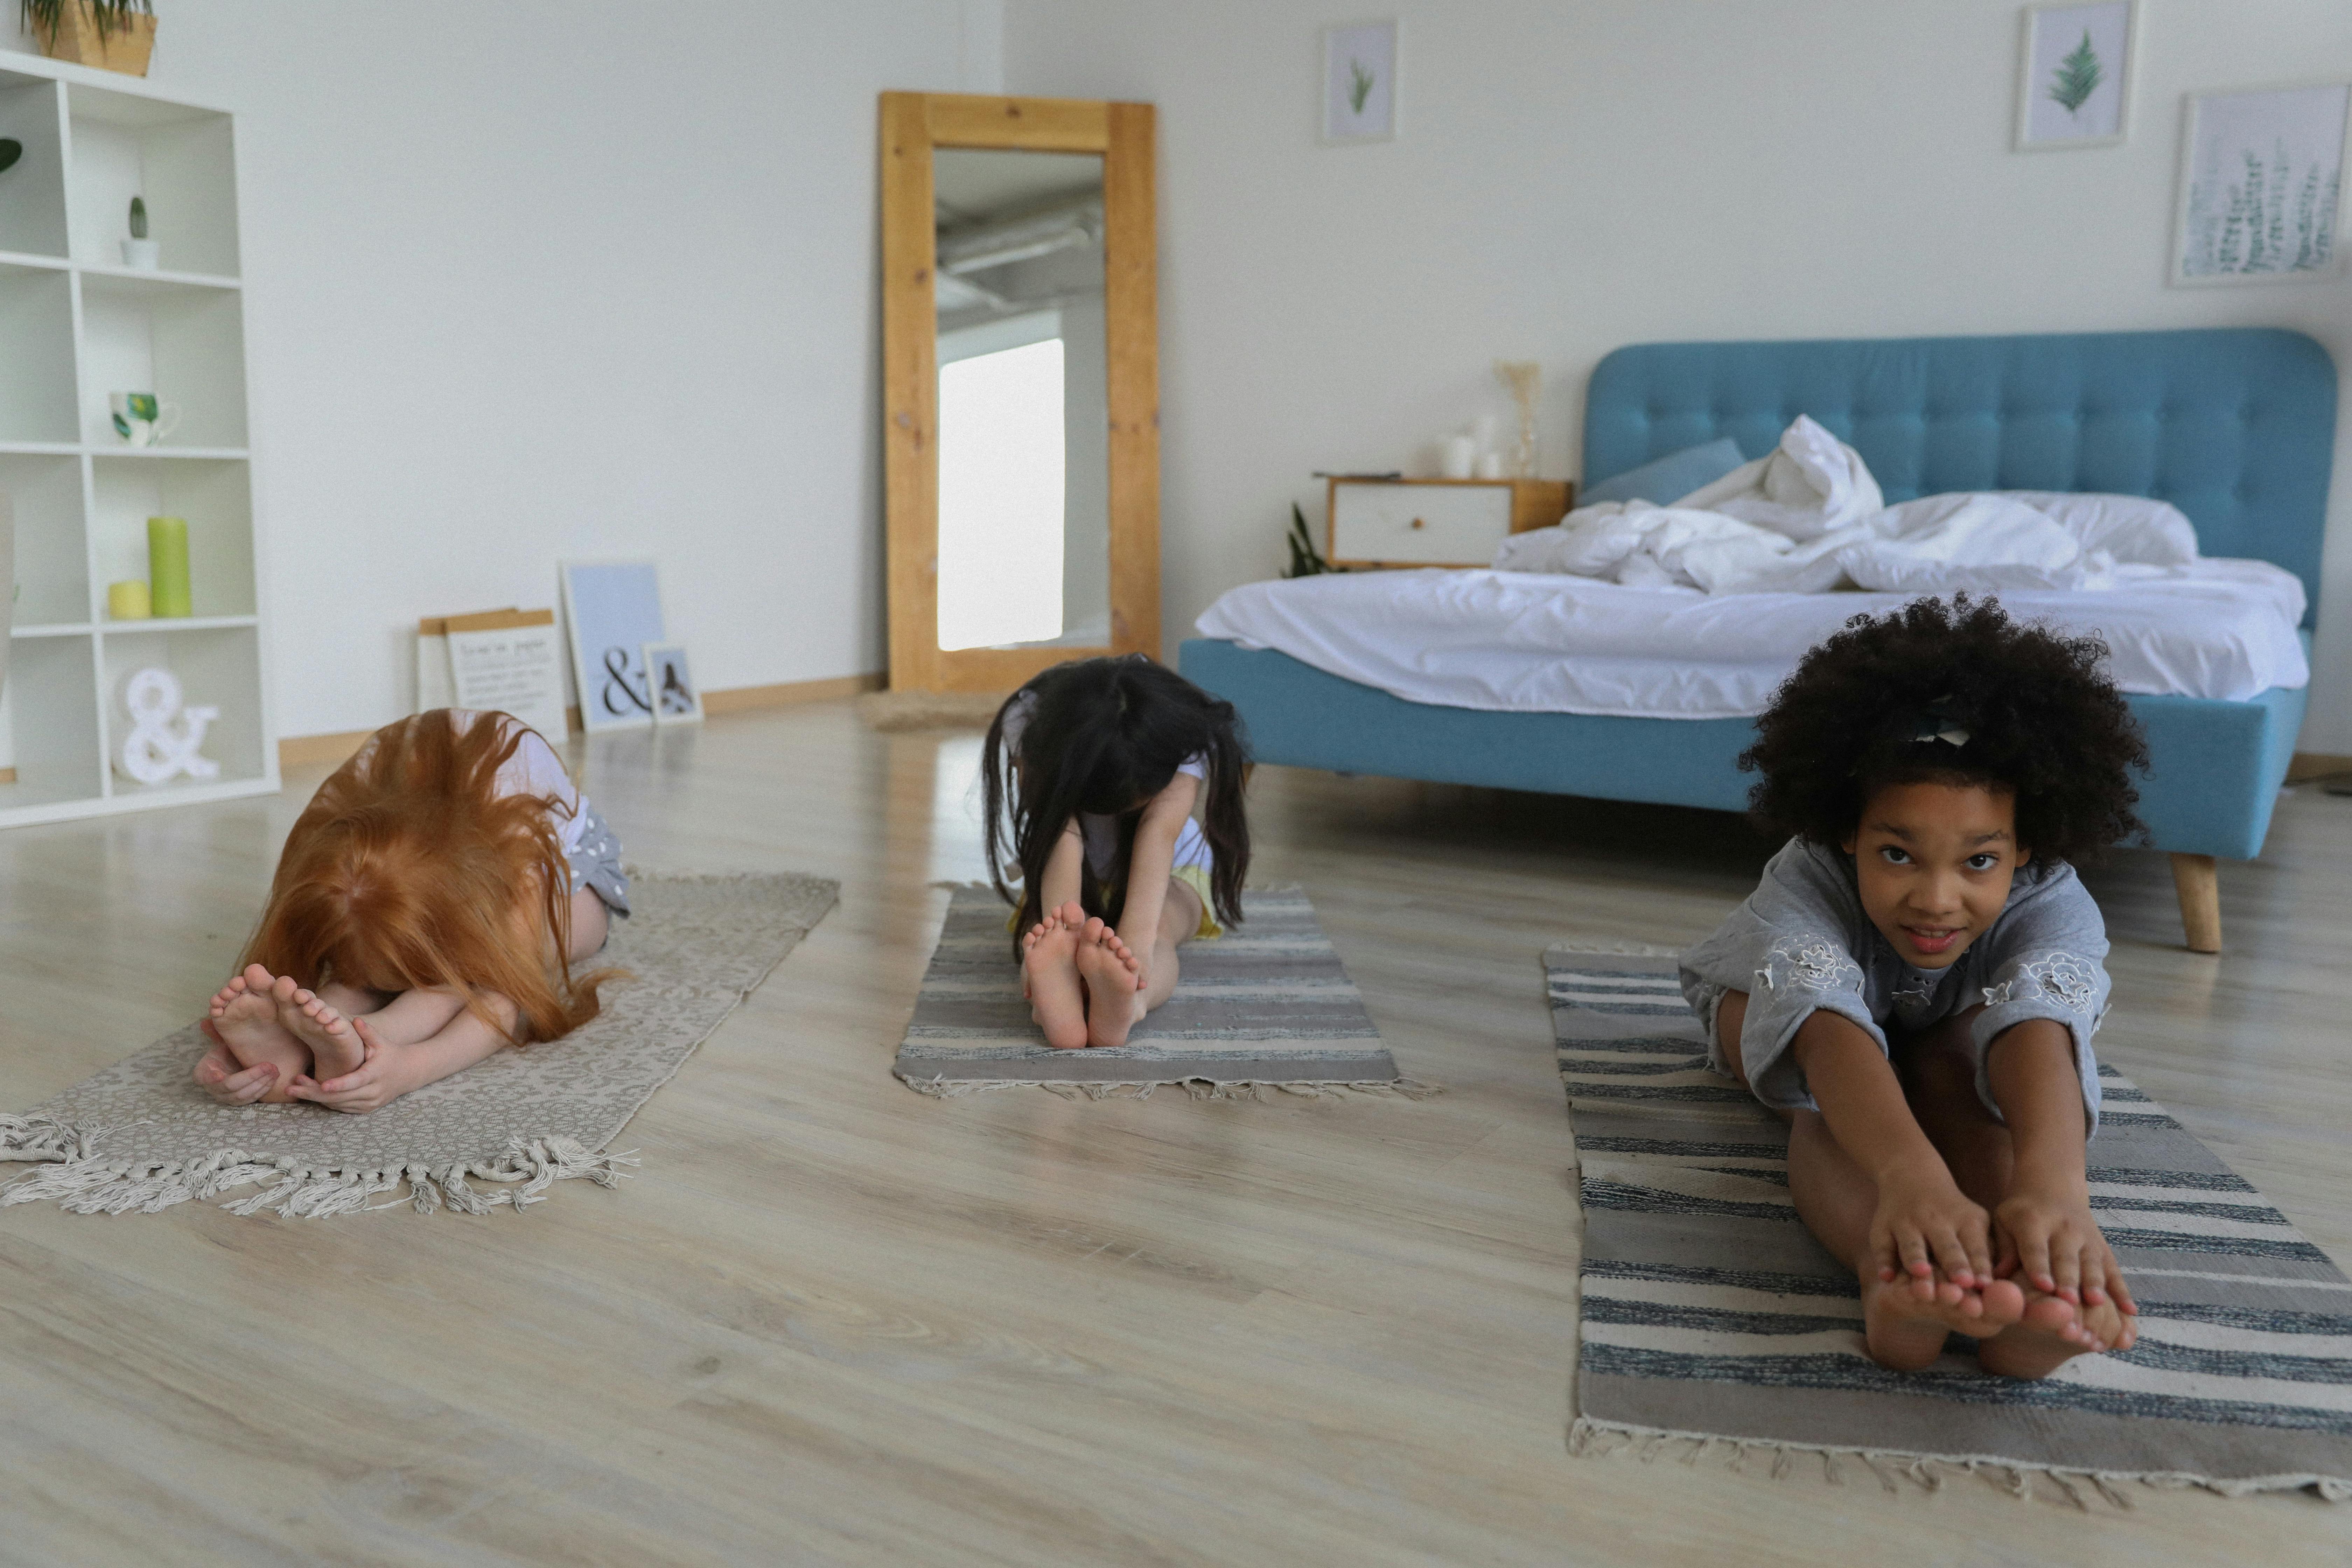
<point x="1266" y="1006"/>
<point x="1712" y="1320"/>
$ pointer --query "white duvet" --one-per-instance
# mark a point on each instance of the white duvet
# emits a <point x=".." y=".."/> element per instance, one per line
<point x="1516" y="641"/>
<point x="1808" y="518"/>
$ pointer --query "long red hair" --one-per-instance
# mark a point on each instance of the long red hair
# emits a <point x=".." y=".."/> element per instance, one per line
<point x="410" y="871"/>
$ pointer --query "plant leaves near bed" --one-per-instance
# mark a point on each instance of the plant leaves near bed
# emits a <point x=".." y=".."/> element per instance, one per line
<point x="1305" y="560"/>
<point x="10" y="151"/>
<point x="2078" y="76"/>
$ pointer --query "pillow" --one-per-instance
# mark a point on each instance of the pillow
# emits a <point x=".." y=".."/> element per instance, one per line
<point x="2135" y="529"/>
<point x="1670" y="478"/>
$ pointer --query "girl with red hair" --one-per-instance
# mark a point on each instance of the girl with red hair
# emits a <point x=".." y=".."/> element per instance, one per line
<point x="428" y="910"/>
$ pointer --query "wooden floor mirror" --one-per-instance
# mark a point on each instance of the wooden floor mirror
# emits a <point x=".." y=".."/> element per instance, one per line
<point x="1021" y="400"/>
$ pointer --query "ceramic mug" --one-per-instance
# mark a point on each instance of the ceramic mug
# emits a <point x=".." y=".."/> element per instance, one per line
<point x="140" y="418"/>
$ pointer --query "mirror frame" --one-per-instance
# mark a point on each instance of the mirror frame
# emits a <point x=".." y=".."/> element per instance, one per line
<point x="913" y="124"/>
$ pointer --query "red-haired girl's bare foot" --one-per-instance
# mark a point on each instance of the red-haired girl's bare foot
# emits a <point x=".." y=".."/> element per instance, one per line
<point x="335" y="1047"/>
<point x="1113" y="977"/>
<point x="245" y="1018"/>
<point x="1905" y="1321"/>
<point x="1049" y="978"/>
<point x="2053" y="1332"/>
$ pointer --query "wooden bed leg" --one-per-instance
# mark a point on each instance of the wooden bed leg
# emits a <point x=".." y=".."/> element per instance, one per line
<point x="2200" y="901"/>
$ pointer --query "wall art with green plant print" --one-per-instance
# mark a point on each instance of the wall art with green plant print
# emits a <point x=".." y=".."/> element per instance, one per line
<point x="2258" y="196"/>
<point x="1359" y="65"/>
<point x="2074" y="82"/>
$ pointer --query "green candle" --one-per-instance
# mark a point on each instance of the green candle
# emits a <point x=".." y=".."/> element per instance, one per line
<point x="167" y="566"/>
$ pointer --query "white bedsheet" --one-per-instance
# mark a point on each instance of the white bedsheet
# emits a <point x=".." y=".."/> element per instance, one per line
<point x="1525" y="642"/>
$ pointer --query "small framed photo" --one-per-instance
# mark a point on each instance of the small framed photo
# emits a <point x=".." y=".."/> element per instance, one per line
<point x="2075" y="75"/>
<point x="2260" y="171"/>
<point x="611" y="609"/>
<point x="1359" y="83"/>
<point x="676" y="699"/>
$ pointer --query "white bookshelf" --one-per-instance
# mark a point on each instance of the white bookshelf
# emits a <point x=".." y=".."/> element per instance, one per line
<point x="75" y="325"/>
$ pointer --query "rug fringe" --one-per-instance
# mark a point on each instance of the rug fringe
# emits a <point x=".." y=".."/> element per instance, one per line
<point x="78" y="1178"/>
<point x="1591" y="1438"/>
<point x="1198" y="1088"/>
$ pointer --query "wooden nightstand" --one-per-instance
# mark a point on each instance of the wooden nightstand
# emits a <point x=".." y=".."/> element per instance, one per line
<point x="1435" y="522"/>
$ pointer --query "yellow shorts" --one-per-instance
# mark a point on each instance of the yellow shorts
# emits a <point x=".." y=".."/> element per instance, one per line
<point x="1194" y="877"/>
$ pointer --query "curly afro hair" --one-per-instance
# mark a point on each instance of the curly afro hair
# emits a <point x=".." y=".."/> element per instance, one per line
<point x="1863" y="710"/>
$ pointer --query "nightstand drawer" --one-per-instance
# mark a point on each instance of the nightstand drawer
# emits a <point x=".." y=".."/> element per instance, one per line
<point x="1435" y="522"/>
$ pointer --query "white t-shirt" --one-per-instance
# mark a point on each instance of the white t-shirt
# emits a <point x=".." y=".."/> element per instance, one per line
<point x="1101" y="829"/>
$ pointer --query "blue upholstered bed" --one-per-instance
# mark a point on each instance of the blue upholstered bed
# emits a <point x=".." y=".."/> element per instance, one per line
<point x="2235" y="427"/>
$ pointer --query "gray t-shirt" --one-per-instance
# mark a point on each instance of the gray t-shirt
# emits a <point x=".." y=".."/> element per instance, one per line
<point x="1801" y="943"/>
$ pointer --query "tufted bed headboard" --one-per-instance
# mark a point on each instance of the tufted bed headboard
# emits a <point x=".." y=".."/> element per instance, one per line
<point x="2236" y="426"/>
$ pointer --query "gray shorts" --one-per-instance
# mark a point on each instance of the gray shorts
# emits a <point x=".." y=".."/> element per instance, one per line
<point x="597" y="864"/>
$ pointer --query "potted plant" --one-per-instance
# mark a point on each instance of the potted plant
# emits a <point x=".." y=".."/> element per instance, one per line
<point x="113" y="35"/>
<point x="139" y="250"/>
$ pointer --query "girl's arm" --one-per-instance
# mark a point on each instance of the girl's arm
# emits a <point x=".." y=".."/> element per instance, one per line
<point x="1153" y="858"/>
<point x="388" y="1071"/>
<point x="2045" y="1221"/>
<point x="1924" y="1221"/>
<point x="1059" y="885"/>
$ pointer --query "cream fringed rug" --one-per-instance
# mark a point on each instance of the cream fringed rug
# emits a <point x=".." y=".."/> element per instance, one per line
<point x="1712" y="1322"/>
<point x="140" y="1136"/>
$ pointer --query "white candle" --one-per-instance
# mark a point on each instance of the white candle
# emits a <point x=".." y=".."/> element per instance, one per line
<point x="1455" y="457"/>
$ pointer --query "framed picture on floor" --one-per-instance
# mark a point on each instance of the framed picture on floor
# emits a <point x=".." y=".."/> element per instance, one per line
<point x="611" y="609"/>
<point x="1359" y="95"/>
<point x="2260" y="171"/>
<point x="2075" y="75"/>
<point x="675" y="696"/>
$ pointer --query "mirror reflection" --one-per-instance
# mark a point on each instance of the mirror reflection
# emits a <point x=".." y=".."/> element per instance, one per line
<point x="1023" y="400"/>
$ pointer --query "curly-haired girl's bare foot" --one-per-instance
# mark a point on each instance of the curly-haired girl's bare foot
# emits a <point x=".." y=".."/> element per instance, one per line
<point x="2053" y="1332"/>
<point x="335" y="1047"/>
<point x="1114" y="997"/>
<point x="1049" y="978"/>
<point x="1905" y="1328"/>
<point x="245" y="1017"/>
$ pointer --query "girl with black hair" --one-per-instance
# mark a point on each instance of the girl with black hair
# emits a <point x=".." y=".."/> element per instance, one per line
<point x="1916" y="983"/>
<point x="1094" y="774"/>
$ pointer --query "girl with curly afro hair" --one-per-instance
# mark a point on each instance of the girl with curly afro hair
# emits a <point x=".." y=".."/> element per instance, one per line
<point x="1916" y="982"/>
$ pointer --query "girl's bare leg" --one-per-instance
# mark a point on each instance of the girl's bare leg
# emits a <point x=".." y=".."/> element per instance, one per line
<point x="1903" y="1323"/>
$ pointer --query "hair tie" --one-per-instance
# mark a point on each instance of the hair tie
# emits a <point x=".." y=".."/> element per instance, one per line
<point x="1939" y="722"/>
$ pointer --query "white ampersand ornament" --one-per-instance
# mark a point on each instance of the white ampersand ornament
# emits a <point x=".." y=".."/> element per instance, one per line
<point x="164" y="736"/>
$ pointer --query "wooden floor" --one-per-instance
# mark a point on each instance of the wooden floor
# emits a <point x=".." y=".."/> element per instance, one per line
<point x="833" y="1321"/>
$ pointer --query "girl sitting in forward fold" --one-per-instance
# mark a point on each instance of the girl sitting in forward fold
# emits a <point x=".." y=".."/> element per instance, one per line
<point x="428" y="908"/>
<point x="1092" y="773"/>
<point x="1914" y="983"/>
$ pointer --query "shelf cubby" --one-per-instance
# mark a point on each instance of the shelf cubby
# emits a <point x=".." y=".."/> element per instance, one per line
<point x="33" y="193"/>
<point x="37" y="354"/>
<point x="53" y="720"/>
<point x="77" y="323"/>
<point x="217" y="666"/>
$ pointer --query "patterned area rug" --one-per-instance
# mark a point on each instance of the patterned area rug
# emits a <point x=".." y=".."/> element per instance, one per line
<point x="1712" y="1317"/>
<point x="141" y="1136"/>
<point x="1266" y="1006"/>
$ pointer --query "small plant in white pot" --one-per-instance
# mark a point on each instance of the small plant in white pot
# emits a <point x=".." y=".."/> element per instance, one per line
<point x="139" y="250"/>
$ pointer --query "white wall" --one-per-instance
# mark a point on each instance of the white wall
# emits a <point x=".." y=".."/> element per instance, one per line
<point x="1572" y="177"/>
<point x="555" y="278"/>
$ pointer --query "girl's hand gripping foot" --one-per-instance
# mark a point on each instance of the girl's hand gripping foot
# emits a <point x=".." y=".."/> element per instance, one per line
<point x="373" y="1085"/>
<point x="221" y="1076"/>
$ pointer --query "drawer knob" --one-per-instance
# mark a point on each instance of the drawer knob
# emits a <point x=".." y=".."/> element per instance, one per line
<point x="1418" y="523"/>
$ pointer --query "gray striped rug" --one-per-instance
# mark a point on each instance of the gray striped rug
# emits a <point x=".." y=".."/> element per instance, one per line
<point x="1712" y="1317"/>
<point x="1266" y="1006"/>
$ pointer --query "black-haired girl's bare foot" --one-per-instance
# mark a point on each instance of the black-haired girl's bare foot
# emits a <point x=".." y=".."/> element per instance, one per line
<point x="335" y="1047"/>
<point x="1904" y="1326"/>
<point x="1049" y="978"/>
<point x="2053" y="1332"/>
<point x="1114" y="985"/>
<point x="243" y="1014"/>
